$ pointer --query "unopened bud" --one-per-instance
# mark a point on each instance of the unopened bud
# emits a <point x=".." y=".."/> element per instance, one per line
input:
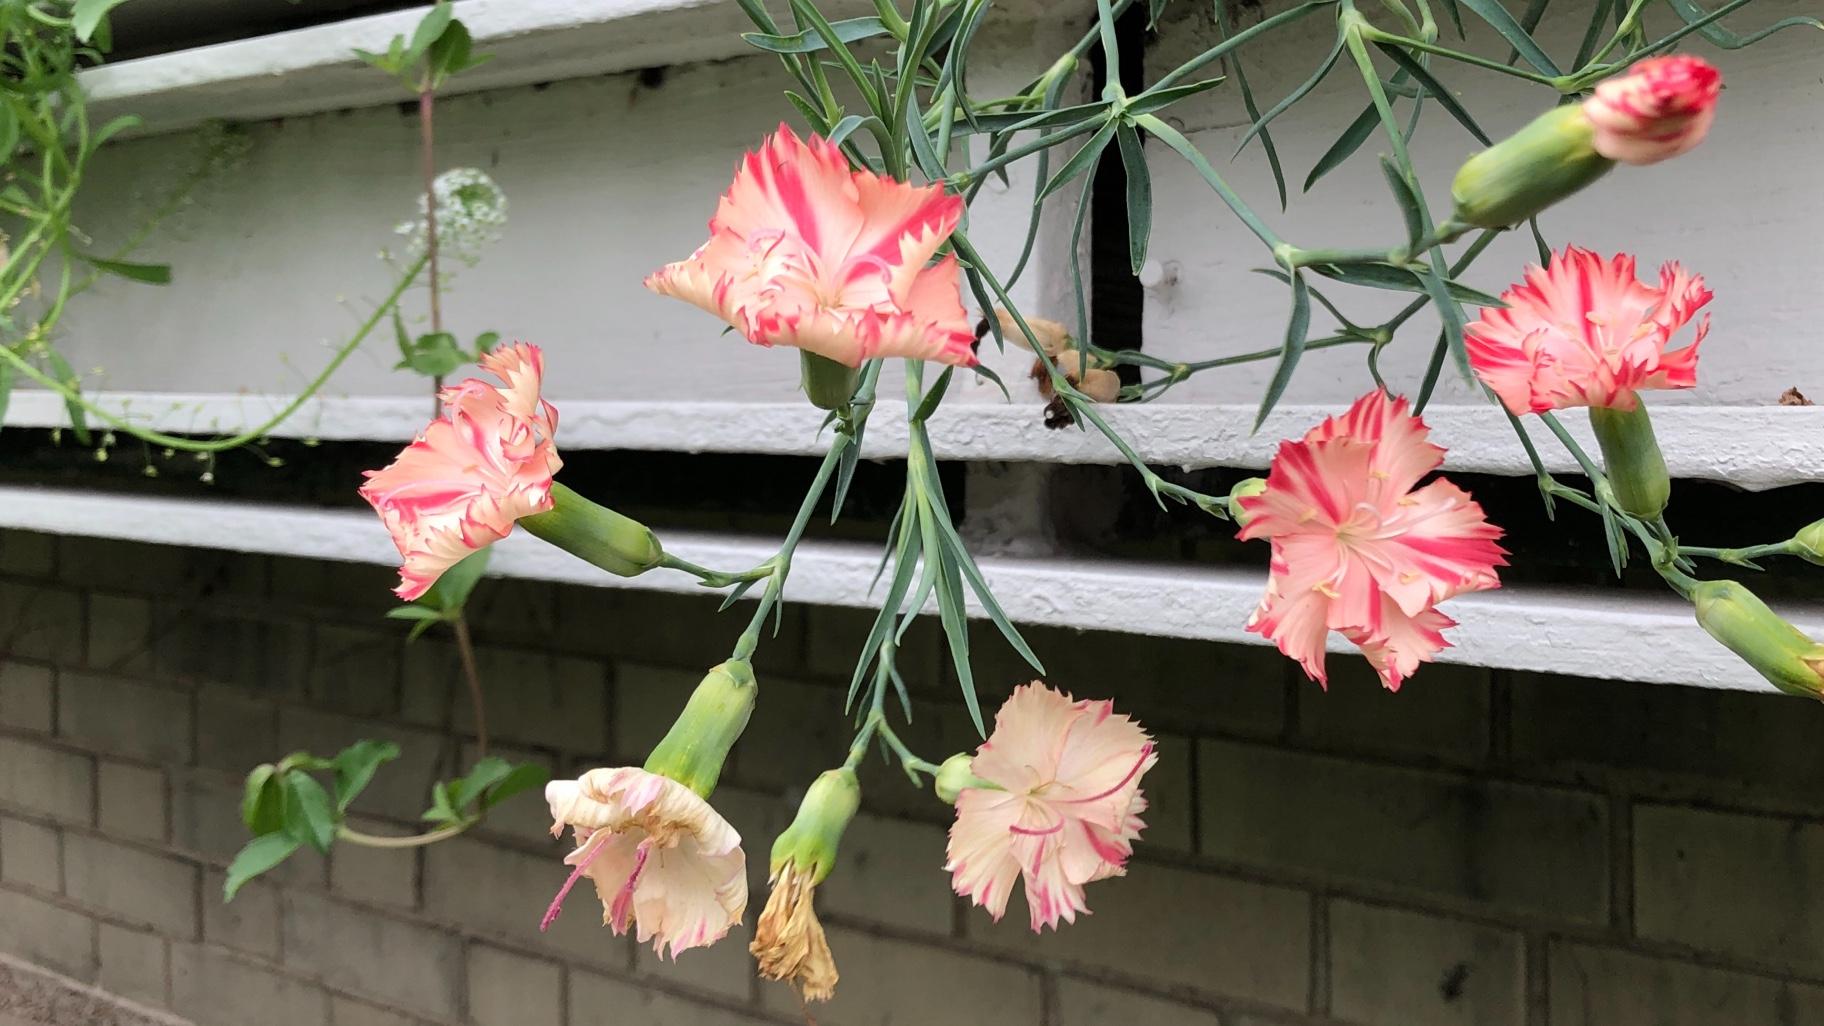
<point x="810" y="842"/>
<point x="696" y="746"/>
<point x="618" y="544"/>
<point x="1549" y="159"/>
<point x="1244" y="490"/>
<point x="1810" y="543"/>
<point x="827" y="384"/>
<point x="1782" y="653"/>
<point x="955" y="776"/>
<point x="1631" y="457"/>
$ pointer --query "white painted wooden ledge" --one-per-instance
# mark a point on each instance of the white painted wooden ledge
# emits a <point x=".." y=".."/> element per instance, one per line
<point x="1756" y="447"/>
<point x="314" y="69"/>
<point x="1588" y="632"/>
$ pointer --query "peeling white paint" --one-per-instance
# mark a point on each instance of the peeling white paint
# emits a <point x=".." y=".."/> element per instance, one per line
<point x="1588" y="632"/>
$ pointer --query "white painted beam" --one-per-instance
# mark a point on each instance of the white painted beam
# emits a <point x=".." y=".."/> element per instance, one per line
<point x="1587" y="632"/>
<point x="1755" y="447"/>
<point x="310" y="70"/>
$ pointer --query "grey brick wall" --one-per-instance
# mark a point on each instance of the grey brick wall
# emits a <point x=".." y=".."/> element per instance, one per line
<point x="1482" y="849"/>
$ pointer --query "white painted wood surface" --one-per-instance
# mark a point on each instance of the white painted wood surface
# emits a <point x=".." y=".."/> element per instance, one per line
<point x="1743" y="209"/>
<point x="1562" y="631"/>
<point x="1754" y="447"/>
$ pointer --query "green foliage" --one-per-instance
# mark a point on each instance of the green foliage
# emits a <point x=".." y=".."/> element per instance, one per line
<point x="286" y="807"/>
<point x="437" y="354"/>
<point x="439" y="48"/>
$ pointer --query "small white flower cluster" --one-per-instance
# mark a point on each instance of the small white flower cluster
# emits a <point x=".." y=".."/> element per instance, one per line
<point x="471" y="212"/>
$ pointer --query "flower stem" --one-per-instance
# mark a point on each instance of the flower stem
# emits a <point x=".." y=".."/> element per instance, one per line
<point x="427" y="159"/>
<point x="344" y="833"/>
<point x="465" y="648"/>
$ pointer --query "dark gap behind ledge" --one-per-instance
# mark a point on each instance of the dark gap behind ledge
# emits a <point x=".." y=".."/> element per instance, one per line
<point x="1096" y="511"/>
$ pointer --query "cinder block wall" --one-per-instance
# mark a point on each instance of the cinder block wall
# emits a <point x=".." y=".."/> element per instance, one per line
<point x="1483" y="848"/>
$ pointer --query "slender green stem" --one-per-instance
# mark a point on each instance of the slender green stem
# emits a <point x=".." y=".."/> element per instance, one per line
<point x="471" y="674"/>
<point x="233" y="441"/>
<point x="351" y="836"/>
<point x="1742" y="555"/>
<point x="715" y="578"/>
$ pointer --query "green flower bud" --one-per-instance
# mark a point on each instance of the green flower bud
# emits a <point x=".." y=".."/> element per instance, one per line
<point x="693" y="751"/>
<point x="1810" y="543"/>
<point x="1244" y="490"/>
<point x="1781" y="652"/>
<point x="1549" y="159"/>
<point x="618" y="544"/>
<point x="1631" y="456"/>
<point x="809" y="844"/>
<point x="957" y="775"/>
<point x="827" y="384"/>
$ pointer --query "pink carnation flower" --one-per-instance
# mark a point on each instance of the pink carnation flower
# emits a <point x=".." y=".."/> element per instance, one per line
<point x="661" y="857"/>
<point x="1359" y="549"/>
<point x="1660" y="108"/>
<point x="804" y="252"/>
<point x="1064" y="808"/>
<point x="1587" y="332"/>
<point x="478" y="468"/>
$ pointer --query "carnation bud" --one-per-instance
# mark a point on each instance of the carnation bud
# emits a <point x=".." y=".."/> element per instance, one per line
<point x="829" y="385"/>
<point x="1244" y="490"/>
<point x="1782" y="653"/>
<point x="1656" y="110"/>
<point x="1809" y="543"/>
<point x="1631" y="456"/>
<point x="1549" y="159"/>
<point x="957" y="775"/>
<point x="593" y="532"/>
<point x="694" y="749"/>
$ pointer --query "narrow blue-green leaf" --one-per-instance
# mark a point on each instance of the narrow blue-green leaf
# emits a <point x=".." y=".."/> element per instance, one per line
<point x="842" y="129"/>
<point x="1592" y="35"/>
<point x="983" y="594"/>
<point x="1261" y="121"/>
<point x="412" y="613"/>
<point x="1139" y="195"/>
<point x="956" y="631"/>
<point x="1345" y="145"/>
<point x="1082" y="159"/>
<point x="1433" y="370"/>
<point x="1021" y="121"/>
<point x="1176" y="140"/>
<point x="1502" y="21"/>
<point x="1298" y="329"/>
<point x="1411" y="207"/>
<point x="1455" y="14"/>
<point x="905" y="565"/>
<point x="809" y="111"/>
<point x="1452" y="316"/>
<point x="1529" y="20"/>
<point x="928" y="405"/>
<point x="1692" y="14"/>
<point x="1400" y="279"/>
<point x="1425" y="78"/>
<point x="930" y="163"/>
<point x="261" y="855"/>
<point x="1158" y="99"/>
<point x="1543" y="248"/>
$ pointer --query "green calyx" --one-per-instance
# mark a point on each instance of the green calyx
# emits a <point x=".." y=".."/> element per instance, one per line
<point x="1244" y="490"/>
<point x="957" y="775"/>
<point x="1549" y="159"/>
<point x="829" y="385"/>
<point x="1808" y="544"/>
<point x="1782" y="653"/>
<point x="811" y="841"/>
<point x="618" y="544"/>
<point x="1631" y="457"/>
<point x="694" y="749"/>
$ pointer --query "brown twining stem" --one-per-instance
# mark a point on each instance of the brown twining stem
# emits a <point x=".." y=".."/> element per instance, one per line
<point x="428" y="161"/>
<point x="465" y="647"/>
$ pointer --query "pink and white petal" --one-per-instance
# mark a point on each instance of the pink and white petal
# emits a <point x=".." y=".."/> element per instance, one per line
<point x="803" y="188"/>
<point x="1404" y="643"/>
<point x="688" y="898"/>
<point x="1297" y="624"/>
<point x="613" y="861"/>
<point x="1439" y="544"/>
<point x="902" y="227"/>
<point x="980" y="856"/>
<point x="1024" y="749"/>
